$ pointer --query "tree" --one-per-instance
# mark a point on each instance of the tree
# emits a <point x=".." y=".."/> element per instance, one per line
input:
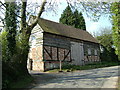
<point x="8" y="39"/>
<point x="93" y="10"/>
<point x="4" y="42"/>
<point x="22" y="41"/>
<point x="18" y="60"/>
<point x="79" y="21"/>
<point x="74" y="19"/>
<point x="116" y="27"/>
<point x="105" y="39"/>
<point x="67" y="16"/>
<point x="107" y="8"/>
<point x="10" y="27"/>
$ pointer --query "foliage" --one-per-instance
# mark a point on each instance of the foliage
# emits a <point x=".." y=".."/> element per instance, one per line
<point x="4" y="42"/>
<point x="17" y="41"/>
<point x="11" y="70"/>
<point x="70" y="67"/>
<point x="18" y="48"/>
<point x="10" y="27"/>
<point x="90" y="66"/>
<point x="22" y="82"/>
<point x="116" y="27"/>
<point x="8" y="74"/>
<point x="13" y="66"/>
<point x="13" y="78"/>
<point x="79" y="21"/>
<point x="67" y="16"/>
<point x="74" y="19"/>
<point x="106" y="41"/>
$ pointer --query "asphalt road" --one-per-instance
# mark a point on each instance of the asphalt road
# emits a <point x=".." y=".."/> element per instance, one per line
<point x="95" y="78"/>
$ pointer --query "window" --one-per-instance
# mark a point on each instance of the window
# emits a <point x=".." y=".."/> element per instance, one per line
<point x="95" y="52"/>
<point x="89" y="51"/>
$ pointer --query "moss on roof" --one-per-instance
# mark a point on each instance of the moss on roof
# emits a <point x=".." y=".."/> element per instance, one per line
<point x="64" y="30"/>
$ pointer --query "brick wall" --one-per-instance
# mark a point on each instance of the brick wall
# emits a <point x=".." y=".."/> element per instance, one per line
<point x="36" y="55"/>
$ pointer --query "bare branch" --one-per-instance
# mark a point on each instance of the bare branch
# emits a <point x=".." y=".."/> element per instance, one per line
<point x="39" y="14"/>
<point x="30" y="27"/>
<point x="3" y="4"/>
<point x="1" y="25"/>
<point x="23" y="15"/>
<point x="94" y="10"/>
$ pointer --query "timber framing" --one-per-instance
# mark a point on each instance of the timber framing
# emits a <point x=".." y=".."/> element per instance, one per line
<point x="61" y="43"/>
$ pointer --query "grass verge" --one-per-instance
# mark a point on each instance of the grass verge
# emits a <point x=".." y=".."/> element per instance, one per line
<point x="118" y="83"/>
<point x="22" y="82"/>
<point x="68" y="67"/>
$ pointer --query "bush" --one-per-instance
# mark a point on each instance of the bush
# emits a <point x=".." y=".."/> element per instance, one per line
<point x="13" y="75"/>
<point x="109" y="56"/>
<point x="8" y="74"/>
<point x="90" y="66"/>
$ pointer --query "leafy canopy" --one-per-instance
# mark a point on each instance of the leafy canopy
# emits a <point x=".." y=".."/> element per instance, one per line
<point x="116" y="27"/>
<point x="106" y="41"/>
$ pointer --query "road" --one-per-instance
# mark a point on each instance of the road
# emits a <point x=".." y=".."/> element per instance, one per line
<point x="95" y="78"/>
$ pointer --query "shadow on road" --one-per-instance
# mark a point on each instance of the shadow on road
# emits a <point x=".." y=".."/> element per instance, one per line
<point x="96" y="75"/>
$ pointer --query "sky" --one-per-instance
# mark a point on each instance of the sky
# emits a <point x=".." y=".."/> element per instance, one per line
<point x="91" y="26"/>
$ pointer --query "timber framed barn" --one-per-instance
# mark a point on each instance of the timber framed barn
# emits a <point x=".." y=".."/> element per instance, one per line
<point x="52" y="42"/>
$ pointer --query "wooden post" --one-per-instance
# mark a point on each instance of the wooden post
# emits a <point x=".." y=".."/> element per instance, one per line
<point x="60" y="66"/>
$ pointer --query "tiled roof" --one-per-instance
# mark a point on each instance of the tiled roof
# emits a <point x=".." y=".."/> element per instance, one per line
<point x="64" y="30"/>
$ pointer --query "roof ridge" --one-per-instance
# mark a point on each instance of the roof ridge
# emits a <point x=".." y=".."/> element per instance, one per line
<point x="63" y="24"/>
<point x="65" y="30"/>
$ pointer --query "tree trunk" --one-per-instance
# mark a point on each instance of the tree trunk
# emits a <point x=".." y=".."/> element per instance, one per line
<point x="23" y="16"/>
<point x="26" y="32"/>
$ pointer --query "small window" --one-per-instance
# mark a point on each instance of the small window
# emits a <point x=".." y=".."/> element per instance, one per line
<point x="95" y="51"/>
<point x="89" y="51"/>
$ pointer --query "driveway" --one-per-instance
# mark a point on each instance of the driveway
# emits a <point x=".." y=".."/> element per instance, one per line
<point x="95" y="78"/>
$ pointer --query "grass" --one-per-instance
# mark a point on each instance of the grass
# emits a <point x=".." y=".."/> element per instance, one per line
<point x="68" y="67"/>
<point x="22" y="83"/>
<point x="26" y="80"/>
<point x="118" y="83"/>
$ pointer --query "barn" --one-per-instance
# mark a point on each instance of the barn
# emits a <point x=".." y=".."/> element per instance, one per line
<point x="52" y="43"/>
